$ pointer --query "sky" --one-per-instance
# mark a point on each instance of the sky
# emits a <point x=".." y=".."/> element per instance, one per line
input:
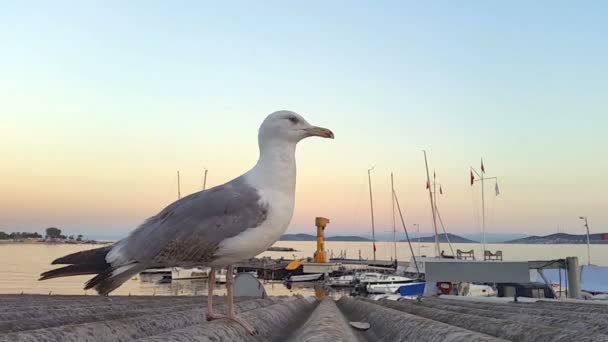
<point x="101" y="102"/>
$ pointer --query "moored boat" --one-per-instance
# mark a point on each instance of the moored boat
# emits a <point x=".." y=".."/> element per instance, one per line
<point x="304" y="277"/>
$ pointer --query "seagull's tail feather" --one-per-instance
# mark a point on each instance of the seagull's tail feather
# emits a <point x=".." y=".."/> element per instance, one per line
<point x="72" y="270"/>
<point x="111" y="278"/>
<point x="93" y="261"/>
<point x="92" y="256"/>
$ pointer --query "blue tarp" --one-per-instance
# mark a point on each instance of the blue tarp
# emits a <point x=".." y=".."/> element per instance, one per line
<point x="593" y="278"/>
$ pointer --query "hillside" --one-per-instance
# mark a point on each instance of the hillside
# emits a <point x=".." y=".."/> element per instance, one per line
<point x="453" y="239"/>
<point x="308" y="237"/>
<point x="563" y="238"/>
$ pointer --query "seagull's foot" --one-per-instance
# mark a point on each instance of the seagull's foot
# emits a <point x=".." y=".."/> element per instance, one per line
<point x="250" y="329"/>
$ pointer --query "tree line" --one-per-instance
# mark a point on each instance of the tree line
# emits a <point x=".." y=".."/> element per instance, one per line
<point x="51" y="233"/>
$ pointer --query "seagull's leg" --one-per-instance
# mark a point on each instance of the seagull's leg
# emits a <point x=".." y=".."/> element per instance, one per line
<point x="210" y="285"/>
<point x="230" y="290"/>
<point x="230" y="297"/>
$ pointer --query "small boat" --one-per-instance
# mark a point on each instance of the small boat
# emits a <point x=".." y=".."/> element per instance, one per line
<point x="346" y="280"/>
<point x="304" y="277"/>
<point x="179" y="273"/>
<point x="154" y="271"/>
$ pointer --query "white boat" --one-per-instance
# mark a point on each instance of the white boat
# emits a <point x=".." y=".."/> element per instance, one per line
<point x="179" y="273"/>
<point x="383" y="288"/>
<point x="371" y="278"/>
<point x="304" y="277"/>
<point x="342" y="281"/>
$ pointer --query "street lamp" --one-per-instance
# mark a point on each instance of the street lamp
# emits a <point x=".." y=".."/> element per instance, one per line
<point x="588" y="247"/>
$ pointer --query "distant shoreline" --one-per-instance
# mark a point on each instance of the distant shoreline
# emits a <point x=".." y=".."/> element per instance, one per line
<point x="34" y="242"/>
<point x="552" y="239"/>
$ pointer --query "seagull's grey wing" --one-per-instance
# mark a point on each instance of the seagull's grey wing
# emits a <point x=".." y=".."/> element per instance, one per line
<point x="190" y="229"/>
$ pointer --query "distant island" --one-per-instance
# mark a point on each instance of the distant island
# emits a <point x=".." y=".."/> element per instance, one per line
<point x="563" y="238"/>
<point x="52" y="235"/>
<point x="453" y="238"/>
<point x="308" y="237"/>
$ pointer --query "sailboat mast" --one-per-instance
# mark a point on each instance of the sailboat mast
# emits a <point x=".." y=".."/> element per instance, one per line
<point x="437" y="248"/>
<point x="483" y="213"/>
<point x="428" y="183"/>
<point x="371" y="207"/>
<point x="179" y="191"/>
<point x="393" y="214"/>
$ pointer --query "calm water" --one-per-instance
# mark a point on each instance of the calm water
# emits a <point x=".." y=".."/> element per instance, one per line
<point x="22" y="264"/>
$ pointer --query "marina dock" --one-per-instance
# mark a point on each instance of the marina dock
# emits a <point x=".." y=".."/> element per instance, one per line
<point x="180" y="318"/>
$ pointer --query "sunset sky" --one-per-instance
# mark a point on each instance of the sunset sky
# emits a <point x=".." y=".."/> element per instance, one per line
<point x="101" y="102"/>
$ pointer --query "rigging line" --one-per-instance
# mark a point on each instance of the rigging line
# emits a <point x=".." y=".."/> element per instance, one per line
<point x="492" y="212"/>
<point x="405" y="230"/>
<point x="443" y="227"/>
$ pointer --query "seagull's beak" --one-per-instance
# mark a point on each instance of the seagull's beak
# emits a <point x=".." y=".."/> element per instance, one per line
<point x="319" y="132"/>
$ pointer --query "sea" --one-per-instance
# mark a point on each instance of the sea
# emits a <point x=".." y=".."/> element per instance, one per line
<point x="22" y="264"/>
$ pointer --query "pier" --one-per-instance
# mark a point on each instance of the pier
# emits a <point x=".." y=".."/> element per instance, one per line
<point x="180" y="318"/>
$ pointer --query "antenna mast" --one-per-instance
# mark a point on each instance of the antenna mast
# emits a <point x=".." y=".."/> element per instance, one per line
<point x="481" y="179"/>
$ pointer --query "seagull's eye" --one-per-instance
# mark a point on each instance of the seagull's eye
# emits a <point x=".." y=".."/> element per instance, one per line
<point x="293" y="119"/>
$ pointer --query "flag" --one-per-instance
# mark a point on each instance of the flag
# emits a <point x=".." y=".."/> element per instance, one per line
<point x="440" y="190"/>
<point x="496" y="189"/>
<point x="472" y="178"/>
<point x="374" y="247"/>
<point x="483" y="169"/>
<point x="428" y="184"/>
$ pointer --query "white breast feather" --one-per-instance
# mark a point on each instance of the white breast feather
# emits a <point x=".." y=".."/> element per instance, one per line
<point x="256" y="240"/>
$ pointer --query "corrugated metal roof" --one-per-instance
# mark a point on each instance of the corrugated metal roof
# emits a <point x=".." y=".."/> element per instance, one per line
<point x="181" y="318"/>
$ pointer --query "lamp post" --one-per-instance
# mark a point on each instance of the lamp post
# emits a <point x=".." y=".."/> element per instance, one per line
<point x="588" y="243"/>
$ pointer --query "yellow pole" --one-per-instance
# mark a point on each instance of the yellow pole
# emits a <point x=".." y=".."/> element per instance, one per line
<point x="321" y="223"/>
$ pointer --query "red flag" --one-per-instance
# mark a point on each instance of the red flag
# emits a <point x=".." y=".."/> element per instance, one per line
<point x="472" y="178"/>
<point x="374" y="247"/>
<point x="440" y="190"/>
<point x="428" y="184"/>
<point x="482" y="168"/>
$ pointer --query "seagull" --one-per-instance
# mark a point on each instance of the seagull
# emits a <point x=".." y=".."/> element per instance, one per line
<point x="216" y="227"/>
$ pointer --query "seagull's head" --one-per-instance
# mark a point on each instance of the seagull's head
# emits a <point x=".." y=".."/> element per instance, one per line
<point x="289" y="127"/>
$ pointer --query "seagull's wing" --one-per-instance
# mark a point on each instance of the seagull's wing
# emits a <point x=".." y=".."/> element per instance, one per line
<point x="190" y="229"/>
